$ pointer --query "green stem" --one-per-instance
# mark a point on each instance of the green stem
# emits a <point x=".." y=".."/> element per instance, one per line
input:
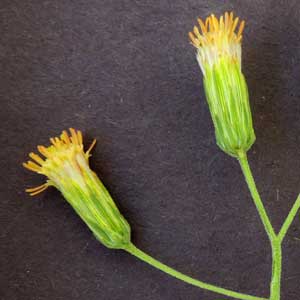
<point x="288" y="221"/>
<point x="276" y="270"/>
<point x="274" y="240"/>
<point x="255" y="195"/>
<point x="132" y="249"/>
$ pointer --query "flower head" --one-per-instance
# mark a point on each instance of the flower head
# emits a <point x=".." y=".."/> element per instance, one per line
<point x="66" y="166"/>
<point x="218" y="39"/>
<point x="219" y="56"/>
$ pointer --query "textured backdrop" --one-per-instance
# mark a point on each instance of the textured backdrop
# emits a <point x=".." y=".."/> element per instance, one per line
<point x="125" y="73"/>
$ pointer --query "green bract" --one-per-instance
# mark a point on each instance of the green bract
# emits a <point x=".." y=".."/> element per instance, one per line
<point x="227" y="96"/>
<point x="95" y="206"/>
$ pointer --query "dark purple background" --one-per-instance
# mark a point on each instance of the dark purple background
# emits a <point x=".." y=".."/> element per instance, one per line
<point x="125" y="73"/>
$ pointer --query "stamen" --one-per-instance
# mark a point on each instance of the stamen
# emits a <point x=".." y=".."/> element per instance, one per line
<point x="193" y="39"/>
<point x="37" y="158"/>
<point x="221" y="23"/>
<point x="202" y="26"/>
<point x="234" y="24"/>
<point x="38" y="189"/>
<point x="207" y="23"/>
<point x="196" y="31"/>
<point x="91" y="147"/>
<point x="215" y="22"/>
<point x="210" y="24"/>
<point x="32" y="166"/>
<point x="59" y="143"/>
<point x="73" y="136"/>
<point x="43" y="150"/>
<point x="52" y="140"/>
<point x="65" y="137"/>
<point x="80" y="139"/>
<point x="231" y="17"/>
<point x="239" y="39"/>
<point x="242" y="26"/>
<point x="226" y="20"/>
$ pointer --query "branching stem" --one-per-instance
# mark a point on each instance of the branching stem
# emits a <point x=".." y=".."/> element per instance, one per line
<point x="275" y="240"/>
<point x="132" y="249"/>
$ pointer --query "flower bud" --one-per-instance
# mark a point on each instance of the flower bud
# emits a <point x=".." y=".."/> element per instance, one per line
<point x="67" y="167"/>
<point x="219" y="56"/>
